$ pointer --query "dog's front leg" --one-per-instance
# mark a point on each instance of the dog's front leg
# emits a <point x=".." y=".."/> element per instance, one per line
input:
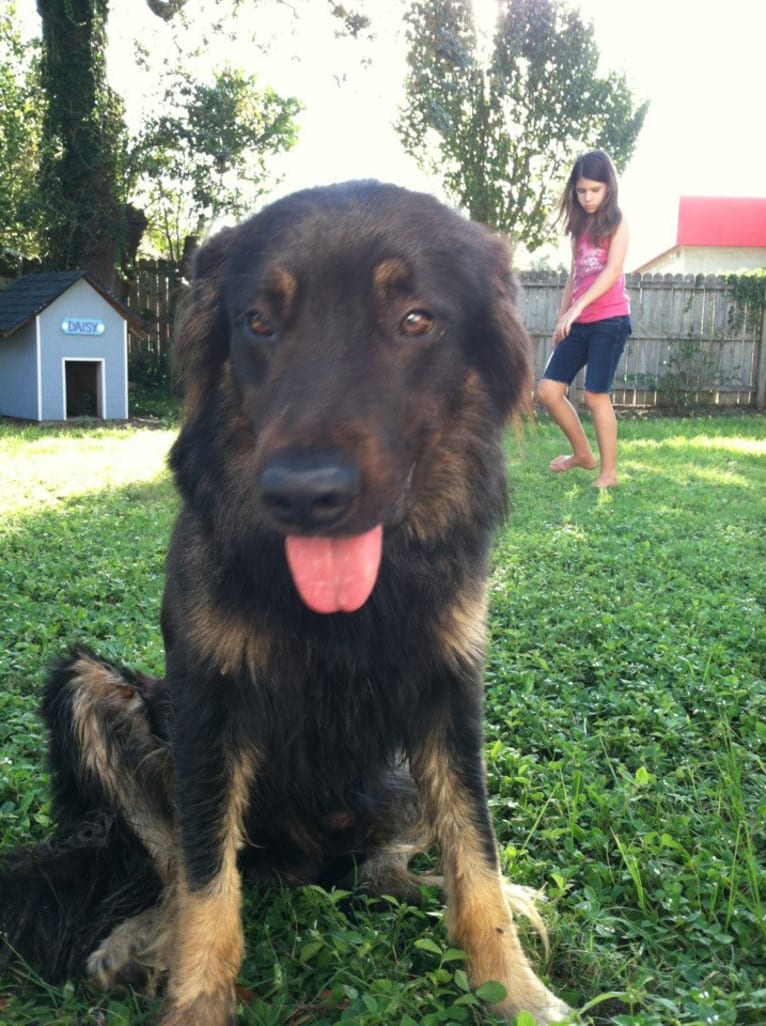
<point x="449" y="770"/>
<point x="214" y="774"/>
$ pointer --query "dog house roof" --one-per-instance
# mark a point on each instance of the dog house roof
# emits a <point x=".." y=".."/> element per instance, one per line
<point x="26" y="297"/>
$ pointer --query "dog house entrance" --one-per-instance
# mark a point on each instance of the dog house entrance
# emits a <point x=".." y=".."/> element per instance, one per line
<point x="84" y="388"/>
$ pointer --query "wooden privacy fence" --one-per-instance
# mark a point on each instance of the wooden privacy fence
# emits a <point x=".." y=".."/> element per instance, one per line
<point x="156" y="294"/>
<point x="693" y="342"/>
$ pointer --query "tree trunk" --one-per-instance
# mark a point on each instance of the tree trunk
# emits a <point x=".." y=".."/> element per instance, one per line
<point x="80" y="175"/>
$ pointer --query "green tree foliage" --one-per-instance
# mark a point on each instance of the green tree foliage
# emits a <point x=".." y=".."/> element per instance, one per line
<point x="501" y="129"/>
<point x="20" y="129"/>
<point x="84" y="141"/>
<point x="208" y="155"/>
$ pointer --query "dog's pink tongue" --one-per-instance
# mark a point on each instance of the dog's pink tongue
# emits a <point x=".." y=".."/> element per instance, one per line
<point x="335" y="575"/>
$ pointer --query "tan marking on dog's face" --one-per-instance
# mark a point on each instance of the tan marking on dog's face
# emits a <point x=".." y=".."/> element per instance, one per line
<point x="281" y="288"/>
<point x="390" y="277"/>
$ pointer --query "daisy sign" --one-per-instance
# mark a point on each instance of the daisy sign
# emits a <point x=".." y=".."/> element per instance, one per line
<point x="82" y="326"/>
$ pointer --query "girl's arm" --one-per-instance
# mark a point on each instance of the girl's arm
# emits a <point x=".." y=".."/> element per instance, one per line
<point x="566" y="300"/>
<point x="614" y="268"/>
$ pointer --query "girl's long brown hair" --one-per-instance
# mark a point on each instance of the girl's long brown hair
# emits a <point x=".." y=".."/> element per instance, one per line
<point x="598" y="167"/>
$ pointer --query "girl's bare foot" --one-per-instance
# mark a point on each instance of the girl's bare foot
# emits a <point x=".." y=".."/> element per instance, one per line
<point x="603" y="481"/>
<point x="562" y="463"/>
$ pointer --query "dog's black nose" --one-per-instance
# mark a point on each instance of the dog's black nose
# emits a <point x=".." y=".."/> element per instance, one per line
<point x="307" y="492"/>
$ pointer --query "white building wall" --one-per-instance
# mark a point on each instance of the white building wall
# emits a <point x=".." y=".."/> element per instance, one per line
<point x="706" y="260"/>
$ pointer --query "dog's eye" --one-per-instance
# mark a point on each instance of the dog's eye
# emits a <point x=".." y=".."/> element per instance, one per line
<point x="416" y="323"/>
<point x="258" y="323"/>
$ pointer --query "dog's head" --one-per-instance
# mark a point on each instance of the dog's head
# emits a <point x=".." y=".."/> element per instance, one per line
<point x="362" y="345"/>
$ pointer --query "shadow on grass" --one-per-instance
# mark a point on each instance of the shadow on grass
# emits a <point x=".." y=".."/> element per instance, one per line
<point x="663" y="455"/>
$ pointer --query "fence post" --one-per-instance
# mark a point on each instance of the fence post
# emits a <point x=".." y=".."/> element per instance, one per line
<point x="760" y="379"/>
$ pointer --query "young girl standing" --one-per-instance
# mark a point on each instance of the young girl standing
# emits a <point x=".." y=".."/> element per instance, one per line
<point x="594" y="318"/>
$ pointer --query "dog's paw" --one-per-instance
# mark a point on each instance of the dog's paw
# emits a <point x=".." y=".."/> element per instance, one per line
<point x="122" y="974"/>
<point x="131" y="956"/>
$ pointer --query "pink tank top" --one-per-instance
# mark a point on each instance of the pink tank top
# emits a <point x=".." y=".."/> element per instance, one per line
<point x="590" y="260"/>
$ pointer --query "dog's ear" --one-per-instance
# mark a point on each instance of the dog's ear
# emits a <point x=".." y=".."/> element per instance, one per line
<point x="202" y="340"/>
<point x="209" y="261"/>
<point x="512" y="378"/>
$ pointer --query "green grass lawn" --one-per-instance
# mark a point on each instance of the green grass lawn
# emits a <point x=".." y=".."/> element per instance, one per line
<point x="626" y="728"/>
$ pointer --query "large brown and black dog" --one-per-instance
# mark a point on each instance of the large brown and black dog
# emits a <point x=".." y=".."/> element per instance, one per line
<point x="351" y="355"/>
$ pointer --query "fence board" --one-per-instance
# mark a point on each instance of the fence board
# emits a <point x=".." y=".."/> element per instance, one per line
<point x="155" y="294"/>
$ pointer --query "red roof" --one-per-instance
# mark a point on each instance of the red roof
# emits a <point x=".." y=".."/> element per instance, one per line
<point x="721" y="221"/>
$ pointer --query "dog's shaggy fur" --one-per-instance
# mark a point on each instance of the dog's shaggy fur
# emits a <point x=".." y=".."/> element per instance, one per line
<point x="350" y="355"/>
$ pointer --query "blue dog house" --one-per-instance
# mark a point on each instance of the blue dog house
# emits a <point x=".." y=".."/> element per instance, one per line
<point x="64" y="348"/>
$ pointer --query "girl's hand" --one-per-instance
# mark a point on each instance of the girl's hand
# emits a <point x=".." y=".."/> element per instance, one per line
<point x="565" y="322"/>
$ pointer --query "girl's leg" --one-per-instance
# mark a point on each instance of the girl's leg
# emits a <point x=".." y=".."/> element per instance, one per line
<point x="553" y="395"/>
<point x="606" y="344"/>
<point x="605" y="426"/>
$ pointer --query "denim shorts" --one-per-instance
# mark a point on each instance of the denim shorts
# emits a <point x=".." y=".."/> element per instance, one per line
<point x="598" y="345"/>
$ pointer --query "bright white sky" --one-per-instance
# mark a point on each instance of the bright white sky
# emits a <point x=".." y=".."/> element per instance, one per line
<point x="700" y="64"/>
